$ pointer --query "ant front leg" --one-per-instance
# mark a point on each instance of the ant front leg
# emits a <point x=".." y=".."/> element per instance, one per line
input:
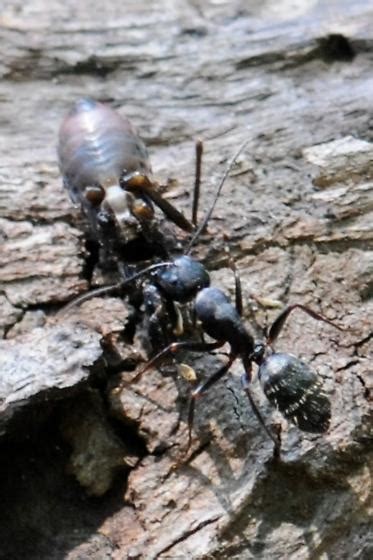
<point x="175" y="316"/>
<point x="155" y="319"/>
<point x="174" y="348"/>
<point x="278" y="323"/>
<point x="245" y="381"/>
<point x="110" y="290"/>
<point x="163" y="319"/>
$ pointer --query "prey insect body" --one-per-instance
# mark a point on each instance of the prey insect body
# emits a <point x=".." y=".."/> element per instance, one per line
<point x="106" y="169"/>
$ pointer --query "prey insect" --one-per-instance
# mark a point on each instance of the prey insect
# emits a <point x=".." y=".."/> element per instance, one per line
<point x="106" y="169"/>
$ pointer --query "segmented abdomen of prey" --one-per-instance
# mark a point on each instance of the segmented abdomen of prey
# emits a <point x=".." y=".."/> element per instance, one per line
<point x="296" y="391"/>
<point x="97" y="145"/>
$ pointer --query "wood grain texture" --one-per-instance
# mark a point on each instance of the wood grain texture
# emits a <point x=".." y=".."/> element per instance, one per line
<point x="294" y="78"/>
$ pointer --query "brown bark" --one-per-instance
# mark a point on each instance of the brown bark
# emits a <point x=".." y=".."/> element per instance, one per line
<point x="293" y="78"/>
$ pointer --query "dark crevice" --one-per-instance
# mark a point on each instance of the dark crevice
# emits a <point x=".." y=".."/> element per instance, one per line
<point x="35" y="64"/>
<point x="93" y="66"/>
<point x="40" y="220"/>
<point x="49" y="308"/>
<point x="335" y="47"/>
<point x="347" y="366"/>
<point x="36" y="493"/>
<point x="195" y="32"/>
<point x="117" y="365"/>
<point x="188" y="534"/>
<point x="127" y="430"/>
<point x="200" y="449"/>
<point x="128" y="433"/>
<point x="8" y="328"/>
<point x="162" y="449"/>
<point x="365" y="386"/>
<point x="366" y="293"/>
<point x="128" y="335"/>
<point x="236" y="404"/>
<point x="289" y="279"/>
<point x="364" y="340"/>
<point x="217" y="257"/>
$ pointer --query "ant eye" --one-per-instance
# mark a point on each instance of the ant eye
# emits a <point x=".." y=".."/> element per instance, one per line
<point x="95" y="195"/>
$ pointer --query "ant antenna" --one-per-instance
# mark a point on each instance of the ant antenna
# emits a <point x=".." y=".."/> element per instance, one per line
<point x="203" y="224"/>
<point x="197" y="182"/>
<point x="106" y="290"/>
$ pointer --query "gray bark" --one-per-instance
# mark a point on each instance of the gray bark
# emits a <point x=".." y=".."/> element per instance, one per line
<point x="292" y="78"/>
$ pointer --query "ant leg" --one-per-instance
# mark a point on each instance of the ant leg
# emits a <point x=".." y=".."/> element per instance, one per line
<point x="176" y="347"/>
<point x="109" y="290"/>
<point x="197" y="181"/>
<point x="237" y="282"/>
<point x="278" y="323"/>
<point x="148" y="188"/>
<point x="124" y="270"/>
<point x="155" y="319"/>
<point x="201" y="390"/>
<point x="208" y="215"/>
<point x="175" y="316"/>
<point x="245" y="381"/>
<point x="238" y="291"/>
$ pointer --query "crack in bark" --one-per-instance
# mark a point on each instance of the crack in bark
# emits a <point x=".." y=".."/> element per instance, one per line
<point x="363" y="340"/>
<point x="366" y="393"/>
<point x="187" y="534"/>
<point x="217" y="258"/>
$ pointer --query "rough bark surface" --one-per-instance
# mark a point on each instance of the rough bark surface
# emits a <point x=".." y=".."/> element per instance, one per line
<point x="87" y="470"/>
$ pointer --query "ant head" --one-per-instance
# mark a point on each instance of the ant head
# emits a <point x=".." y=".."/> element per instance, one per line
<point x="182" y="280"/>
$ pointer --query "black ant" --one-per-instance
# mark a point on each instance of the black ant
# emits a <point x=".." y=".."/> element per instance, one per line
<point x="288" y="383"/>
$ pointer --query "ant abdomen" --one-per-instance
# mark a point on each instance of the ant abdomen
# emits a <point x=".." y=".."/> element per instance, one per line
<point x="297" y="392"/>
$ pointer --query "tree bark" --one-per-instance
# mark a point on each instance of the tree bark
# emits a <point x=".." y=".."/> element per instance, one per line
<point x="93" y="465"/>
